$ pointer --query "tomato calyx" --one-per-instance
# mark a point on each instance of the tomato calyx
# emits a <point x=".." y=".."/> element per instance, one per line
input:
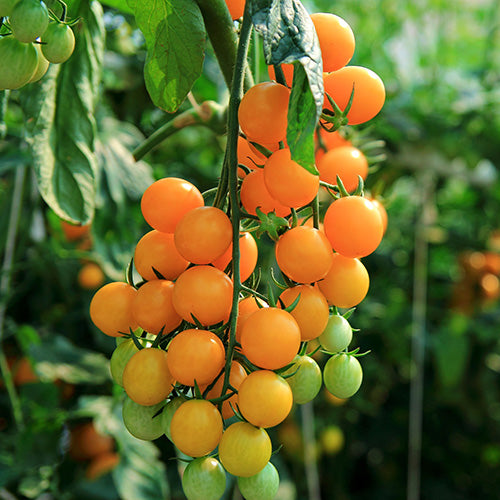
<point x="336" y="118"/>
<point x="271" y="224"/>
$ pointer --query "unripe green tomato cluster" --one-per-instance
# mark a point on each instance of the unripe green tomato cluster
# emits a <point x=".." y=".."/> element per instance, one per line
<point x="33" y="43"/>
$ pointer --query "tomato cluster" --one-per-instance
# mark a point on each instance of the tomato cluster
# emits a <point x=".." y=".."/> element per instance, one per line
<point x="203" y="356"/>
<point x="32" y="42"/>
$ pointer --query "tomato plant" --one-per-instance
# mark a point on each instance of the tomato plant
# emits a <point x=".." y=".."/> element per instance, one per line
<point x="204" y="479"/>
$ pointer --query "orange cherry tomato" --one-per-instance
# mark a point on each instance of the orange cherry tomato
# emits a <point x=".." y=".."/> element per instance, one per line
<point x="311" y="312"/>
<point x="244" y="450"/>
<point x="101" y="465"/>
<point x="383" y="215"/>
<point x="254" y="193"/>
<point x="86" y="442"/>
<point x="111" y="309"/>
<point x="248" y="256"/>
<point x="288" y="182"/>
<point x="165" y="202"/>
<point x="203" y="235"/>
<point x="347" y="162"/>
<point x="270" y="338"/>
<point x="73" y="232"/>
<point x="195" y="355"/>
<point x="90" y="276"/>
<point x="196" y="427"/>
<point x="146" y="377"/>
<point x="264" y="398"/>
<point x="263" y="112"/>
<point x="205" y="293"/>
<point x="304" y="254"/>
<point x="353" y="226"/>
<point x="347" y="283"/>
<point x="236" y="8"/>
<point x="156" y="250"/>
<point x="336" y="40"/>
<point x="369" y="92"/>
<point x="248" y="156"/>
<point x="153" y="308"/>
<point x="287" y="72"/>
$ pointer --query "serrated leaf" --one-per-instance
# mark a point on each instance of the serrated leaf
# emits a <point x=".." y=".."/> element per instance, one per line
<point x="175" y="40"/>
<point x="61" y="126"/>
<point x="289" y="36"/>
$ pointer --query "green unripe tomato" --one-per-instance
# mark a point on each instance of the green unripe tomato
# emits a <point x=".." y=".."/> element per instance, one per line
<point x="140" y="420"/>
<point x="6" y="7"/>
<point x="337" y="335"/>
<point x="263" y="486"/>
<point x="42" y="66"/>
<point x="204" y="479"/>
<point x="28" y="20"/>
<point x="306" y="381"/>
<point x="120" y="357"/>
<point x="19" y="62"/>
<point x="342" y="375"/>
<point x="168" y="413"/>
<point x="58" y="43"/>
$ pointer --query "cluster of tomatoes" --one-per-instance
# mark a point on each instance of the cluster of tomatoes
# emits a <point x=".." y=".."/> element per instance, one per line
<point x="212" y="362"/>
<point x="30" y="42"/>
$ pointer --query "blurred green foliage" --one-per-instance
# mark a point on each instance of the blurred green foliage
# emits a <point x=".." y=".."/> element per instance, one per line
<point x="440" y="62"/>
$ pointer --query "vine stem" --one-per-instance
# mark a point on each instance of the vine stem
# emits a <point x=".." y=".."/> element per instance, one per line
<point x="230" y="166"/>
<point x="15" y="212"/>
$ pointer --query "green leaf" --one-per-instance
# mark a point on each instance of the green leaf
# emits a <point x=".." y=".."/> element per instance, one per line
<point x="57" y="358"/>
<point x="175" y="39"/>
<point x="302" y="121"/>
<point x="61" y="126"/>
<point x="121" y="5"/>
<point x="289" y="36"/>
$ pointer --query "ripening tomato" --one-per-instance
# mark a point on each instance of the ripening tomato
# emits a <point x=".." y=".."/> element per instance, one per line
<point x="337" y="335"/>
<point x="347" y="282"/>
<point x="146" y="378"/>
<point x="369" y="92"/>
<point x="111" y="309"/>
<point x="58" y="42"/>
<point x="347" y="162"/>
<point x="165" y="202"/>
<point x="143" y="422"/>
<point x="254" y="194"/>
<point x="353" y="226"/>
<point x="236" y="376"/>
<point x="6" y="7"/>
<point x="382" y="212"/>
<point x="270" y="338"/>
<point x="153" y="308"/>
<point x="42" y="66"/>
<point x="101" y="464"/>
<point x="204" y="479"/>
<point x="28" y="20"/>
<point x="90" y="276"/>
<point x="247" y="306"/>
<point x="336" y="40"/>
<point x="205" y="293"/>
<point x="19" y="62"/>
<point x="244" y="450"/>
<point x="169" y="411"/>
<point x="236" y="8"/>
<point x="263" y="112"/>
<point x="248" y="256"/>
<point x="264" y="398"/>
<point x="304" y="254"/>
<point x="87" y="442"/>
<point x="248" y="156"/>
<point x="195" y="355"/>
<point x="157" y="251"/>
<point x="311" y="312"/>
<point x="329" y="141"/>
<point x="196" y="427"/>
<point x="306" y="379"/>
<point x="73" y="232"/>
<point x="288" y="182"/>
<point x="203" y="235"/>
<point x="262" y="486"/>
<point x="342" y="375"/>
<point x="120" y="358"/>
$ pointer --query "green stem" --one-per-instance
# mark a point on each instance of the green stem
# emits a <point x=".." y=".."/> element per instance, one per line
<point x="315" y="208"/>
<point x="231" y="166"/>
<point x="220" y="29"/>
<point x="209" y="114"/>
<point x="15" y="212"/>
